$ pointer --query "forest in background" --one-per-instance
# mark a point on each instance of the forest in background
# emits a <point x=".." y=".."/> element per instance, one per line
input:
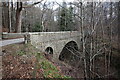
<point x="54" y="16"/>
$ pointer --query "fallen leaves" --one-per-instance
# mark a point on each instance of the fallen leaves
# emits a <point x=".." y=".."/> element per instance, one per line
<point x="19" y="67"/>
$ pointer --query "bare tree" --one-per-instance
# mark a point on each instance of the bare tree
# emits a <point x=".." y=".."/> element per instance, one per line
<point x="19" y="14"/>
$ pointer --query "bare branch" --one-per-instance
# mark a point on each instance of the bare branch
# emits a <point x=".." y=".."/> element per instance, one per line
<point x="72" y="52"/>
<point x="32" y="4"/>
<point x="98" y="53"/>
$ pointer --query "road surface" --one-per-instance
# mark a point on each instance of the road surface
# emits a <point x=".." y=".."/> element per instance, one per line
<point x="11" y="41"/>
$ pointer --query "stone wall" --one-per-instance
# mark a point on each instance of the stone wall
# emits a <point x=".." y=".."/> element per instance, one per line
<point x="55" y="40"/>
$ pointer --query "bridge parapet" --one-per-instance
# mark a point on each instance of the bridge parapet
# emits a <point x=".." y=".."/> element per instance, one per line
<point x="51" y="36"/>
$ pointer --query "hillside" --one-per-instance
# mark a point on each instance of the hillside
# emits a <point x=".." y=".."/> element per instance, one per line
<point x="21" y="61"/>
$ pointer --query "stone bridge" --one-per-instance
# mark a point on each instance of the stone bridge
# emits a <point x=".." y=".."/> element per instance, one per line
<point x="54" y="42"/>
<point x="50" y="42"/>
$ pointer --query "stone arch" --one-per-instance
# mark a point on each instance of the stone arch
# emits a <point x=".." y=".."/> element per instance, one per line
<point x="70" y="49"/>
<point x="49" y="50"/>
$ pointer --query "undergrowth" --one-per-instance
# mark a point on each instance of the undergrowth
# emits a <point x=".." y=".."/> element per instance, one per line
<point x="50" y="71"/>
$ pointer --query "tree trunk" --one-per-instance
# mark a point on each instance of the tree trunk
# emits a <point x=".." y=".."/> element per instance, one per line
<point x="12" y="18"/>
<point x="119" y="24"/>
<point x="10" y="28"/>
<point x="18" y="21"/>
<point x="5" y="16"/>
<point x="18" y="17"/>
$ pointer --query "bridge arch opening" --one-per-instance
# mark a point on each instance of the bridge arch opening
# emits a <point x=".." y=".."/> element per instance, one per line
<point x="69" y="53"/>
<point x="49" y="50"/>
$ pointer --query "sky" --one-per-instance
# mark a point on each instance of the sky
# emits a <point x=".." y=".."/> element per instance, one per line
<point x="37" y="0"/>
<point x="60" y="0"/>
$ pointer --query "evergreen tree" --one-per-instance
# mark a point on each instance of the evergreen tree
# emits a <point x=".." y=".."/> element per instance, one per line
<point x="70" y="17"/>
<point x="65" y="19"/>
<point x="63" y="15"/>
